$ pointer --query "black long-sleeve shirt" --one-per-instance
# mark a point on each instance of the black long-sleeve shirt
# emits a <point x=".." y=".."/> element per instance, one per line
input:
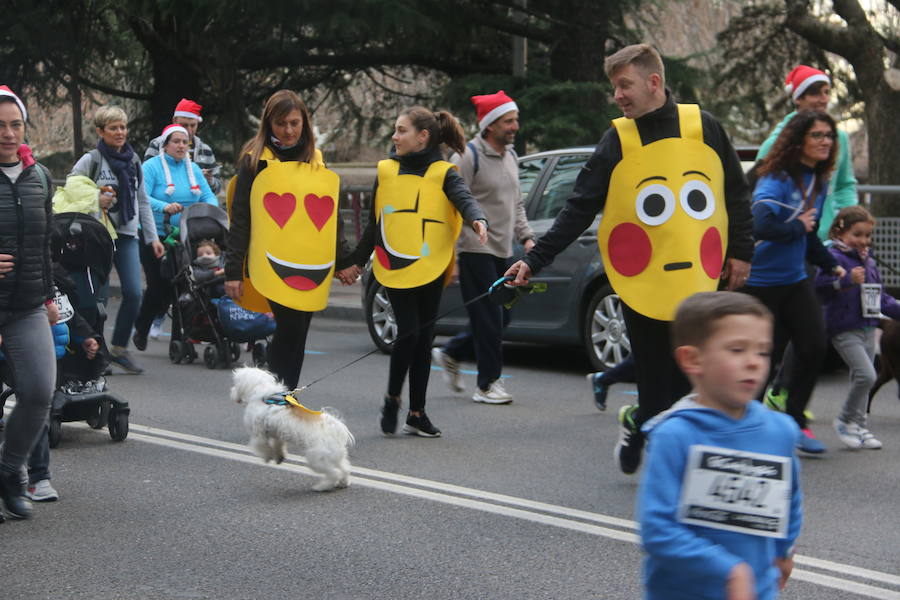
<point x="591" y="188"/>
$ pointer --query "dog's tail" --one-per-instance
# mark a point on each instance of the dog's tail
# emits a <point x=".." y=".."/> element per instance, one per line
<point x="335" y="424"/>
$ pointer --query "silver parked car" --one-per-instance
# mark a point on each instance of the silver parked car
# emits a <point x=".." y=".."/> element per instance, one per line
<point x="579" y="306"/>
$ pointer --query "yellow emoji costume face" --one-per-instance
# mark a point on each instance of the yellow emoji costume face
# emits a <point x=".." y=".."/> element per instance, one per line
<point x="293" y="233"/>
<point x="664" y="229"/>
<point x="417" y="226"/>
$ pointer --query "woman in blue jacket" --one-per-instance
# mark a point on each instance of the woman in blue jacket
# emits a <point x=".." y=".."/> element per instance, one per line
<point x="786" y="204"/>
<point x="173" y="183"/>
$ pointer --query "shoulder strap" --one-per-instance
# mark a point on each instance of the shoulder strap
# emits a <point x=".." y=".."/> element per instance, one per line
<point x="629" y="137"/>
<point x="471" y="147"/>
<point x="689" y="121"/>
<point x="96" y="161"/>
<point x="45" y="184"/>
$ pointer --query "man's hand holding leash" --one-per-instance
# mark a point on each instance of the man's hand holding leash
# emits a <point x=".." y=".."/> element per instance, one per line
<point x="520" y="272"/>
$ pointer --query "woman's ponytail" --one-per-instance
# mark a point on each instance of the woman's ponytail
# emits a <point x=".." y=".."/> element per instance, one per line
<point x="451" y="132"/>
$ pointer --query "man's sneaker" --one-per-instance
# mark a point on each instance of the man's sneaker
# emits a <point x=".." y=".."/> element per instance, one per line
<point x="156" y="328"/>
<point x="389" y="415"/>
<point x="848" y="433"/>
<point x="869" y="441"/>
<point x="631" y="441"/>
<point x="122" y="358"/>
<point x="450" y="369"/>
<point x="42" y="491"/>
<point x="495" y="394"/>
<point x="808" y="443"/>
<point x="777" y="401"/>
<point x="420" y="425"/>
<point x="599" y="389"/>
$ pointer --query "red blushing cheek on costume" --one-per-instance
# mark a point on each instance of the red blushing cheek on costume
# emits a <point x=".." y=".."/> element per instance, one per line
<point x="629" y="249"/>
<point x="711" y="253"/>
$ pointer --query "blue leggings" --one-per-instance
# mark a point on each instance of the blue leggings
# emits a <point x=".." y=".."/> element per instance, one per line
<point x="31" y="361"/>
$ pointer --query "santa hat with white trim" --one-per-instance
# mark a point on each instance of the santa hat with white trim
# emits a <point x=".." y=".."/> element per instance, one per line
<point x="800" y="78"/>
<point x="170" y="185"/>
<point x="491" y="107"/>
<point x="188" y="108"/>
<point x="5" y="91"/>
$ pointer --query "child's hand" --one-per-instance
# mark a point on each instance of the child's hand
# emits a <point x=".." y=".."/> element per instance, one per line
<point x="808" y="219"/>
<point x="218" y="272"/>
<point x="858" y="274"/>
<point x="740" y="584"/>
<point x="53" y="313"/>
<point x="90" y="346"/>
<point x="785" y="565"/>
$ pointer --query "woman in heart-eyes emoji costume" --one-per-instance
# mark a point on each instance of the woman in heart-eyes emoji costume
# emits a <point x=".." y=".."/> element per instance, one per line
<point x="284" y="239"/>
<point x="414" y="222"/>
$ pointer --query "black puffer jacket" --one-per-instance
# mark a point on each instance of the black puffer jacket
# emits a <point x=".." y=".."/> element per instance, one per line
<point x="25" y="215"/>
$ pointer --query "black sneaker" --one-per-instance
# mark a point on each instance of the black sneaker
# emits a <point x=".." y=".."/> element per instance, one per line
<point x="389" y="415"/>
<point x="599" y="388"/>
<point x="140" y="341"/>
<point x="631" y="441"/>
<point x="420" y="425"/>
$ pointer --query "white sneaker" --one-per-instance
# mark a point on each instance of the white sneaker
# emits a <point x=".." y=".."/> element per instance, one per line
<point x="42" y="491"/>
<point x="848" y="434"/>
<point x="450" y="369"/>
<point x="869" y="442"/>
<point x="495" y="394"/>
<point x="156" y="328"/>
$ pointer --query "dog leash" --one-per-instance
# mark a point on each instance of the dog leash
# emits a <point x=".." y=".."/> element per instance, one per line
<point x="492" y="289"/>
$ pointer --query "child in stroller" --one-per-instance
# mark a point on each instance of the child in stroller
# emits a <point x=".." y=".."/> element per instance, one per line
<point x="201" y="313"/>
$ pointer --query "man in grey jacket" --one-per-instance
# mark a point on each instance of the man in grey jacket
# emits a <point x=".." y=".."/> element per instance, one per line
<point x="490" y="169"/>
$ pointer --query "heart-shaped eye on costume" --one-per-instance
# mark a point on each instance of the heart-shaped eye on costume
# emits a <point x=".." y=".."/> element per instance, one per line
<point x="319" y="209"/>
<point x="280" y="206"/>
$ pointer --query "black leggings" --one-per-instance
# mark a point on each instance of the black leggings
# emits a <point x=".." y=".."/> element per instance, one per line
<point x="798" y="319"/>
<point x="411" y="354"/>
<point x="288" y="343"/>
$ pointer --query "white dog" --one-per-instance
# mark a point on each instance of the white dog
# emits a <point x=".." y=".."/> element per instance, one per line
<point x="320" y="435"/>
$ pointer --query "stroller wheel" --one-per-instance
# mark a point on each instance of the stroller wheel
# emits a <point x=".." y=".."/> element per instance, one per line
<point x="235" y="351"/>
<point x="177" y="351"/>
<point x="98" y="421"/>
<point x="211" y="357"/>
<point x="259" y="354"/>
<point x="118" y="425"/>
<point x="55" y="433"/>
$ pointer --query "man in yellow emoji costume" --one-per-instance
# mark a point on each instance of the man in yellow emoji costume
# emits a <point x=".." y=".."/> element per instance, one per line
<point x="676" y="221"/>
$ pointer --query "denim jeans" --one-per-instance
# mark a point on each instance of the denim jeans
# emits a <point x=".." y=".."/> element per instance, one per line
<point x="127" y="260"/>
<point x="31" y="363"/>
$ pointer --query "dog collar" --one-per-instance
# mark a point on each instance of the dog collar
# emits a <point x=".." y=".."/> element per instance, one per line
<point x="289" y="400"/>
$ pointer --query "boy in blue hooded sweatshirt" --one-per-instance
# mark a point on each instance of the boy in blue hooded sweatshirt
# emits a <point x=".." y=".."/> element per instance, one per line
<point x="720" y="503"/>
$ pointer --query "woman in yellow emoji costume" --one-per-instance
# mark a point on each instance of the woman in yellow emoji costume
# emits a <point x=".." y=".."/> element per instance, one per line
<point x="284" y="239"/>
<point x="676" y="220"/>
<point x="419" y="204"/>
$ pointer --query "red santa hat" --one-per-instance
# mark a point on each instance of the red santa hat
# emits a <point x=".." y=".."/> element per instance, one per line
<point x="188" y="108"/>
<point x="5" y="91"/>
<point x="800" y="78"/>
<point x="491" y="107"/>
<point x="168" y="130"/>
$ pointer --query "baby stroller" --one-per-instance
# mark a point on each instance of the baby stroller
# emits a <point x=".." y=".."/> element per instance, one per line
<point x="81" y="245"/>
<point x="195" y="310"/>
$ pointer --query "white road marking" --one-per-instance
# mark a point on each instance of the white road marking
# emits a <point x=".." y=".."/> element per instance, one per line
<point x="510" y="506"/>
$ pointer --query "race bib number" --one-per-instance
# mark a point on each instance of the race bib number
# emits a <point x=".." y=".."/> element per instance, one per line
<point x="870" y="296"/>
<point x="66" y="311"/>
<point x="738" y="491"/>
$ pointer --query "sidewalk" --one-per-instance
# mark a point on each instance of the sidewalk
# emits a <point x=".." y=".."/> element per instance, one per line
<point x="344" y="301"/>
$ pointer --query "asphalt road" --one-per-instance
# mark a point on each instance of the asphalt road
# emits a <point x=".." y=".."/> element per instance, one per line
<point x="520" y="501"/>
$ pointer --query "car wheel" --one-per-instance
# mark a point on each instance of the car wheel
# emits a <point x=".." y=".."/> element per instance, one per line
<point x="605" y="336"/>
<point x="380" y="317"/>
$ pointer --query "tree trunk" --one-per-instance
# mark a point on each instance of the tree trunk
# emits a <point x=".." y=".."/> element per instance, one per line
<point x="172" y="81"/>
<point x="77" y="132"/>
<point x="882" y="108"/>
